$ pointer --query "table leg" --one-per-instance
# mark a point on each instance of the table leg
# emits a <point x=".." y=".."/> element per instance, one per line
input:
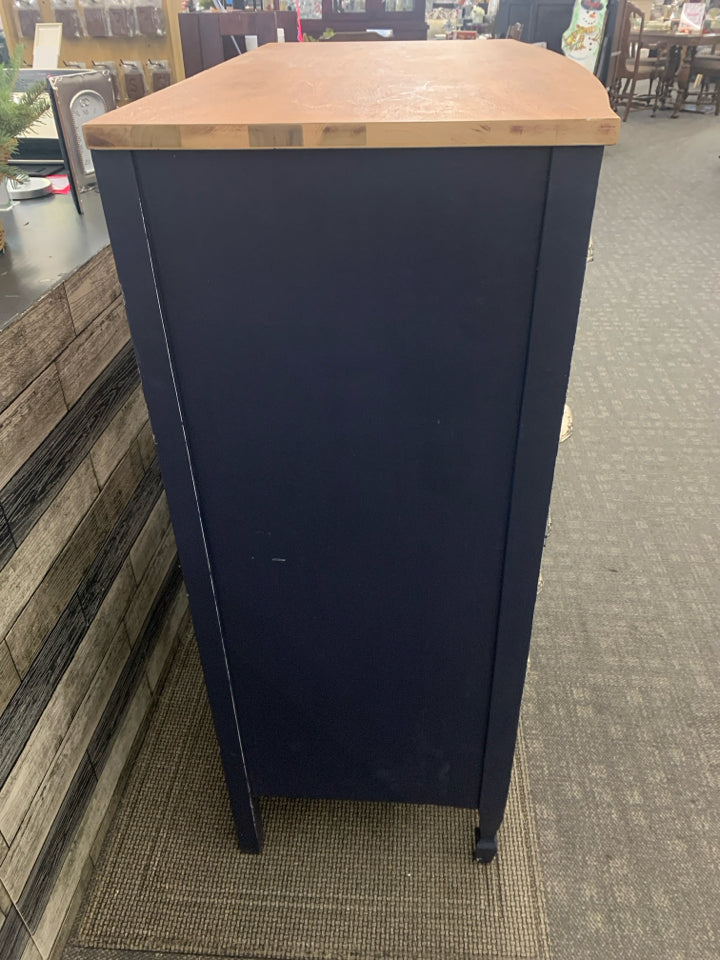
<point x="665" y="80"/>
<point x="683" y="79"/>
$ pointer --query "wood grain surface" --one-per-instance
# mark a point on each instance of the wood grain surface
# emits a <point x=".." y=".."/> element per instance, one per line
<point x="116" y="547"/>
<point x="27" y="567"/>
<point x="144" y="547"/>
<point x="28" y="420"/>
<point x="67" y="581"/>
<point x="32" y="343"/>
<point x="92" y="288"/>
<point x="33" y="695"/>
<point x="91" y="351"/>
<point x="401" y="94"/>
<point x="9" y="681"/>
<point x="27" y="495"/>
<point x="47" y="603"/>
<point x="139" y="608"/>
<point x="37" y="755"/>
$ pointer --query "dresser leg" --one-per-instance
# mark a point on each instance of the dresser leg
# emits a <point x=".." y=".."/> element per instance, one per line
<point x="485" y="846"/>
<point x="248" y="823"/>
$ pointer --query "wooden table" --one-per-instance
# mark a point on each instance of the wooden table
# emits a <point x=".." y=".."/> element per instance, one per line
<point x="358" y="455"/>
<point x="681" y="53"/>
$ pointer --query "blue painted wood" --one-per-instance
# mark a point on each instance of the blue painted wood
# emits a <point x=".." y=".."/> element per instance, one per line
<point x="132" y="249"/>
<point x="572" y="184"/>
<point x="352" y="461"/>
<point x="346" y="423"/>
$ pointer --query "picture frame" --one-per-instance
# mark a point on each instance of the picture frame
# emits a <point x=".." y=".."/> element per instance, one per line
<point x="76" y="98"/>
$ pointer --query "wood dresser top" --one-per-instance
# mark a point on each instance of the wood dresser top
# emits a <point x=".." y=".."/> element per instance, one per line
<point x="397" y="94"/>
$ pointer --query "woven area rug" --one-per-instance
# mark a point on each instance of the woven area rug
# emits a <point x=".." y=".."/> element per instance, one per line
<point x="336" y="881"/>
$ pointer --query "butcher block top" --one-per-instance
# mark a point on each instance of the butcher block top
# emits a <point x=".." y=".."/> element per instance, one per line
<point x="395" y="94"/>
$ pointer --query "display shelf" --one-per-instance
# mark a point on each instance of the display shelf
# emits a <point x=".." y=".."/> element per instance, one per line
<point x="87" y="49"/>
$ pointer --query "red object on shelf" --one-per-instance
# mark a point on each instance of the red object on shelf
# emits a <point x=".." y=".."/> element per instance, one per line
<point x="60" y="183"/>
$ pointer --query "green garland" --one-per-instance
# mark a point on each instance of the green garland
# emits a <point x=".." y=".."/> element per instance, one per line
<point x="17" y="116"/>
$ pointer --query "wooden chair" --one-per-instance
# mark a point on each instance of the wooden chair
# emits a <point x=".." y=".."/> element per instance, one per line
<point x="626" y="64"/>
<point x="211" y="38"/>
<point x="707" y="69"/>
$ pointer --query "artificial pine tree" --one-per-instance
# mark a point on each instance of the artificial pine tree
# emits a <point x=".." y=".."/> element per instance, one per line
<point x="16" y="116"/>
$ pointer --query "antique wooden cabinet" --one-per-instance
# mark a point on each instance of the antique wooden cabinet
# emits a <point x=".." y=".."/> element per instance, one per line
<point x="544" y="21"/>
<point x="406" y="18"/>
<point x="210" y="40"/>
<point x="357" y="430"/>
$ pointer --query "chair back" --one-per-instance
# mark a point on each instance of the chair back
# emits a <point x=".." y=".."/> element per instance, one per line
<point x="622" y="45"/>
<point x="631" y="16"/>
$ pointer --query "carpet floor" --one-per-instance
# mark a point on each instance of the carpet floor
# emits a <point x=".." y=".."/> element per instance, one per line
<point x="336" y="879"/>
<point x="622" y="702"/>
<point x="610" y="847"/>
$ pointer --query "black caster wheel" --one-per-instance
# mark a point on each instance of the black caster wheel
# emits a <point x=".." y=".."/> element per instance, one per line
<point x="485" y="847"/>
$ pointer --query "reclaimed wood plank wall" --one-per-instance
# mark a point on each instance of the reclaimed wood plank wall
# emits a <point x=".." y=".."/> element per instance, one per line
<point x="92" y="599"/>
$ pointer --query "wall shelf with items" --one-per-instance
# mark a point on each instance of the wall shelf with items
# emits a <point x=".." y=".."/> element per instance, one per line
<point x="137" y="40"/>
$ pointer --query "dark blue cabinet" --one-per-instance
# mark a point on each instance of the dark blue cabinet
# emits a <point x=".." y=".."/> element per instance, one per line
<point x="357" y="440"/>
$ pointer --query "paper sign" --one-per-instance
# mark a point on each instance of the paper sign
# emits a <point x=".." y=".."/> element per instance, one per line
<point x="692" y="18"/>
<point x="46" y="49"/>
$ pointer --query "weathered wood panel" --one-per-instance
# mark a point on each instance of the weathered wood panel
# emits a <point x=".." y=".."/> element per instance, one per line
<point x="62" y="579"/>
<point x="100" y="744"/>
<point x="32" y="342"/>
<point x="108" y="560"/>
<point x="26" y="422"/>
<point x="149" y="538"/>
<point x="37" y="890"/>
<point x="7" y="544"/>
<point x="25" y="498"/>
<point x="84" y="536"/>
<point x="163" y="557"/>
<point x="9" y="677"/>
<point x="14" y="936"/>
<point x="23" y="573"/>
<point x="39" y="823"/>
<point x="178" y="624"/>
<point x="91" y="289"/>
<point x="33" y="695"/>
<point x="146" y="442"/>
<point x="16" y="796"/>
<point x="70" y="876"/>
<point x="122" y="430"/>
<point x="87" y="356"/>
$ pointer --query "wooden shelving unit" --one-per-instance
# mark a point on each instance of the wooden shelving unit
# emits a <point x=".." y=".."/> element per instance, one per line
<point x="86" y="49"/>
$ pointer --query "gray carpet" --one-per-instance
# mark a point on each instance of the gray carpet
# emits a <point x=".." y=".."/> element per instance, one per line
<point x="622" y="705"/>
<point x="622" y="708"/>
<point x="336" y="879"/>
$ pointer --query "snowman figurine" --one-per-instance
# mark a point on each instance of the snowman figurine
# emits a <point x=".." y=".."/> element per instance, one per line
<point x="581" y="41"/>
